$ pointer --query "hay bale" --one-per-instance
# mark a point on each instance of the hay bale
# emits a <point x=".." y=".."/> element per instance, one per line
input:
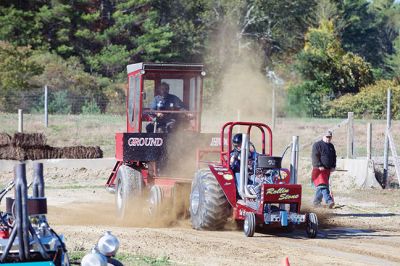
<point x="81" y="152"/>
<point x="5" y="139"/>
<point x="12" y="153"/>
<point x="38" y="153"/>
<point x="29" y="139"/>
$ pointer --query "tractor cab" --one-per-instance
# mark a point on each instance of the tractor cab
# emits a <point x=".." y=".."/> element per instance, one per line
<point x="149" y="107"/>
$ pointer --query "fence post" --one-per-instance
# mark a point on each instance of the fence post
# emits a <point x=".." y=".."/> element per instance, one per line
<point x="20" y="121"/>
<point x="369" y="140"/>
<point x="350" y="135"/>
<point x="294" y="162"/>
<point x="386" y="148"/>
<point x="46" y="117"/>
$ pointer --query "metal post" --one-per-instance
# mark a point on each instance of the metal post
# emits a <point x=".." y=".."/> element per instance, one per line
<point x="38" y="180"/>
<point x="369" y="140"/>
<point x="386" y="148"/>
<point x="20" y="121"/>
<point x="294" y="160"/>
<point x="46" y="117"/>
<point x="350" y="135"/>
<point x="273" y="106"/>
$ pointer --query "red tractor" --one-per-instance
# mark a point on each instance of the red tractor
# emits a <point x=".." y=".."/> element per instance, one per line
<point x="272" y="198"/>
<point x="156" y="155"/>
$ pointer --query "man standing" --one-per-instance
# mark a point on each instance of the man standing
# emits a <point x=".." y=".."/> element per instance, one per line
<point x="324" y="162"/>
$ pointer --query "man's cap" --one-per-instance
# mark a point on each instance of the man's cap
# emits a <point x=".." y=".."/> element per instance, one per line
<point x="328" y="133"/>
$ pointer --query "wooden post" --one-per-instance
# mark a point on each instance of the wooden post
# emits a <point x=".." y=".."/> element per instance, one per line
<point x="46" y="117"/>
<point x="350" y="135"/>
<point x="20" y="121"/>
<point x="369" y="140"/>
<point x="386" y="148"/>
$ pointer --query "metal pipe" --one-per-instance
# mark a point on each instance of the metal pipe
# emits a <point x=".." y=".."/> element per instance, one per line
<point x="386" y="149"/>
<point x="243" y="165"/>
<point x="294" y="160"/>
<point x="38" y="180"/>
<point x="244" y="158"/>
<point x="21" y="187"/>
<point x="19" y="171"/>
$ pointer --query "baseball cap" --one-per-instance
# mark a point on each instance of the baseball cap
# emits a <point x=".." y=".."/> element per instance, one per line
<point x="328" y="133"/>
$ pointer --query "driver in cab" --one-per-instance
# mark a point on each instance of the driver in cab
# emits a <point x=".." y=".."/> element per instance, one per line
<point x="164" y="101"/>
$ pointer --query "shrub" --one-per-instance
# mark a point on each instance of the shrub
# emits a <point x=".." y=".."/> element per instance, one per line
<point x="90" y="108"/>
<point x="369" y="102"/>
<point x="306" y="99"/>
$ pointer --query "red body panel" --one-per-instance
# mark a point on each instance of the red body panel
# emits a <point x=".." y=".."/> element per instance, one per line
<point x="119" y="151"/>
<point x="281" y="193"/>
<point x="226" y="180"/>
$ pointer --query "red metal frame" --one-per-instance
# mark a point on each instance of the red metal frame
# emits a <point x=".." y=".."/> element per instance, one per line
<point x="230" y="125"/>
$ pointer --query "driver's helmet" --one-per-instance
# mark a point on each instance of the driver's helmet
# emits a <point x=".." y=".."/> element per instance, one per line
<point x="237" y="140"/>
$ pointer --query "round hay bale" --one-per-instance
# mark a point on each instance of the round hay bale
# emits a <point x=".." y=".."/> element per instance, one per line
<point x="5" y="139"/>
<point x="81" y="152"/>
<point x="29" y="139"/>
<point x="12" y="153"/>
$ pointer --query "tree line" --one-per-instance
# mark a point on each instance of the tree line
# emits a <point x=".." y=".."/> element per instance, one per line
<point x="326" y="49"/>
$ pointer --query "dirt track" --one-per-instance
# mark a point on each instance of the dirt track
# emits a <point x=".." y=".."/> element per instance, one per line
<point x="364" y="231"/>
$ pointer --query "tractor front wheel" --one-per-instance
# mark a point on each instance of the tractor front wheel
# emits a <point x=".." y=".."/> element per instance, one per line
<point x="129" y="186"/>
<point x="209" y="208"/>
<point x="311" y="225"/>
<point x="249" y="226"/>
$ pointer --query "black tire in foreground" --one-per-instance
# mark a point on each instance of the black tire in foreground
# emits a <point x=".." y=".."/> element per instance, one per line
<point x="209" y="208"/>
<point x="311" y="225"/>
<point x="129" y="187"/>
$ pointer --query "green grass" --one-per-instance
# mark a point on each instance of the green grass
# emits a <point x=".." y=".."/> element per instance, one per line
<point x="99" y="130"/>
<point x="126" y="259"/>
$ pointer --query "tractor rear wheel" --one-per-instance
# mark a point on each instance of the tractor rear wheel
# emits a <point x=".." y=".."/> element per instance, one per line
<point x="129" y="187"/>
<point x="209" y="208"/>
<point x="311" y="225"/>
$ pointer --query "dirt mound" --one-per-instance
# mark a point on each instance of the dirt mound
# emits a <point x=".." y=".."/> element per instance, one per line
<point x="32" y="146"/>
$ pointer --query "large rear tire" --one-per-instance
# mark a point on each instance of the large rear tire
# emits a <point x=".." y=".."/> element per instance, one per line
<point x="129" y="186"/>
<point x="209" y="207"/>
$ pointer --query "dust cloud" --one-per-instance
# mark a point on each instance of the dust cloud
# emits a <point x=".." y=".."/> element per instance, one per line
<point x="245" y="94"/>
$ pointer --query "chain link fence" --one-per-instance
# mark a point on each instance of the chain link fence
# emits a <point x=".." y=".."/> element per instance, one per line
<point x="61" y="102"/>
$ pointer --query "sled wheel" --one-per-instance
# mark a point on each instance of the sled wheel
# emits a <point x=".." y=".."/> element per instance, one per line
<point x="209" y="207"/>
<point x="249" y="226"/>
<point x="312" y="225"/>
<point x="155" y="200"/>
<point x="129" y="186"/>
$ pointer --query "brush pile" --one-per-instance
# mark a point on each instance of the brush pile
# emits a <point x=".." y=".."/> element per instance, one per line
<point x="32" y="146"/>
